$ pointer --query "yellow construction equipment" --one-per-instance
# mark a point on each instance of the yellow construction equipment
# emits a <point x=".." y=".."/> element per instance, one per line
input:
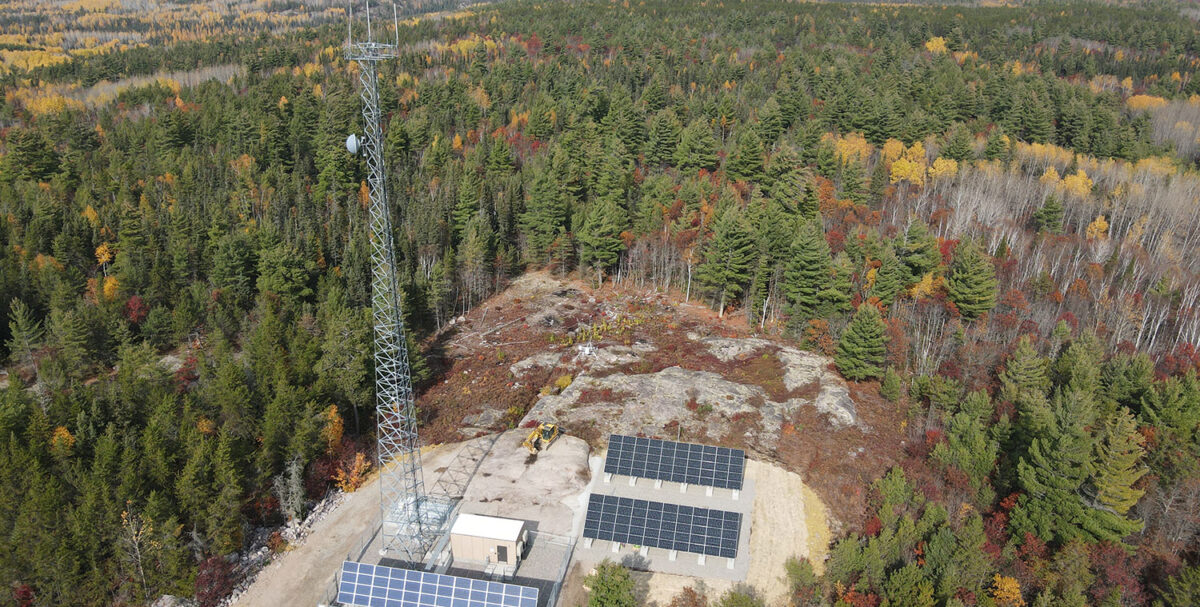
<point x="541" y="437"/>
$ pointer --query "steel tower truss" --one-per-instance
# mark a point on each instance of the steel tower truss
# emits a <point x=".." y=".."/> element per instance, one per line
<point x="408" y="521"/>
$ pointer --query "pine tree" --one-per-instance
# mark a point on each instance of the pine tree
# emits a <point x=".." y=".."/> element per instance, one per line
<point x="836" y="297"/>
<point x="500" y="159"/>
<point x="545" y="216"/>
<point x="1050" y="476"/>
<point x="827" y="160"/>
<point x="809" y="271"/>
<point x="624" y="121"/>
<point x="892" y="386"/>
<point x="1049" y="217"/>
<point x="862" y="350"/>
<point x="1183" y="590"/>
<point x="889" y="278"/>
<point x="790" y="188"/>
<point x="959" y="146"/>
<point x="727" y="257"/>
<point x="663" y="139"/>
<point x="600" y="237"/>
<point x="920" y="253"/>
<point x="697" y="148"/>
<point x="746" y="164"/>
<point x="1118" y="455"/>
<point x="879" y="183"/>
<point x="853" y="187"/>
<point x="971" y="284"/>
<point x="225" y="511"/>
<point x="1024" y="382"/>
<point x="770" y="121"/>
<point x="25" y="333"/>
<point x="470" y="197"/>
<point x="996" y="147"/>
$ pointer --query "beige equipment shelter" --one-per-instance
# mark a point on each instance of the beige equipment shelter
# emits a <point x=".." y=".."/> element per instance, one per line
<point x="488" y="539"/>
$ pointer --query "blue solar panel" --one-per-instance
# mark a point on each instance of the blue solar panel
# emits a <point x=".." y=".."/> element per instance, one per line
<point x="379" y="586"/>
<point x="666" y="460"/>
<point x="661" y="525"/>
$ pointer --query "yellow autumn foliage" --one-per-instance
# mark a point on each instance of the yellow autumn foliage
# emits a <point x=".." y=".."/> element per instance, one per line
<point x="906" y="170"/>
<point x="1006" y="591"/>
<point x="916" y="153"/>
<point x="61" y="442"/>
<point x="1140" y="103"/>
<point x="852" y="147"/>
<point x="92" y="217"/>
<point x="1050" y="177"/>
<point x="892" y="149"/>
<point x="1159" y="166"/>
<point x="111" y="286"/>
<point x="104" y="253"/>
<point x="1098" y="229"/>
<point x="943" y="167"/>
<point x="936" y="45"/>
<point x="1078" y="184"/>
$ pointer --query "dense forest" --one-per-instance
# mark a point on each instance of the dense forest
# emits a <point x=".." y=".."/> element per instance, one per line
<point x="992" y="212"/>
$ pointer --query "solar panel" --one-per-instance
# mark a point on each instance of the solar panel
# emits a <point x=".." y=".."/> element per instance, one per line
<point x="661" y="525"/>
<point x="379" y="586"/>
<point x="690" y="463"/>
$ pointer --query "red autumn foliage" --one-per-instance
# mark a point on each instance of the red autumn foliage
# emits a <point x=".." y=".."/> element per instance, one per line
<point x="136" y="309"/>
<point x="1116" y="568"/>
<point x="214" y="581"/>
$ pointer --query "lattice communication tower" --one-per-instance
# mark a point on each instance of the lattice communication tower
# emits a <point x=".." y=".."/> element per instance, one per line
<point x="409" y="520"/>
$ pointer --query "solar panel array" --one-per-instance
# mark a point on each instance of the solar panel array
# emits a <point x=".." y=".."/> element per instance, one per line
<point x="379" y="586"/>
<point x="660" y="525"/>
<point x="720" y="467"/>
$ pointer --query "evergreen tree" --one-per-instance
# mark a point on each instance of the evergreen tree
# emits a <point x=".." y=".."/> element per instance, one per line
<point x="470" y="198"/>
<point x="225" y="511"/>
<point x="727" y="257"/>
<point x="836" y="297"/>
<point x="500" y="159"/>
<point x="545" y="216"/>
<point x="971" y="284"/>
<point x="1049" y="217"/>
<point x="809" y="271"/>
<point x="1183" y="590"/>
<point x="1118" y="455"/>
<point x="959" y="146"/>
<point x="890" y="277"/>
<point x="853" y="187"/>
<point x="697" y="148"/>
<point x="624" y="121"/>
<point x="996" y="147"/>
<point x="920" y="253"/>
<point x="746" y="164"/>
<point x="25" y="333"/>
<point x="892" y="386"/>
<point x="827" y="160"/>
<point x="879" y="183"/>
<point x="600" y="237"/>
<point x="862" y="350"/>
<point x="770" y="121"/>
<point x="663" y="139"/>
<point x="1024" y="382"/>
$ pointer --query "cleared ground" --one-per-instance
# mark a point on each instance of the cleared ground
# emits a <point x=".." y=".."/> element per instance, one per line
<point x="301" y="576"/>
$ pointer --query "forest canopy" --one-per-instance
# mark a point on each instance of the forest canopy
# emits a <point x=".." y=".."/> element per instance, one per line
<point x="990" y="211"/>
